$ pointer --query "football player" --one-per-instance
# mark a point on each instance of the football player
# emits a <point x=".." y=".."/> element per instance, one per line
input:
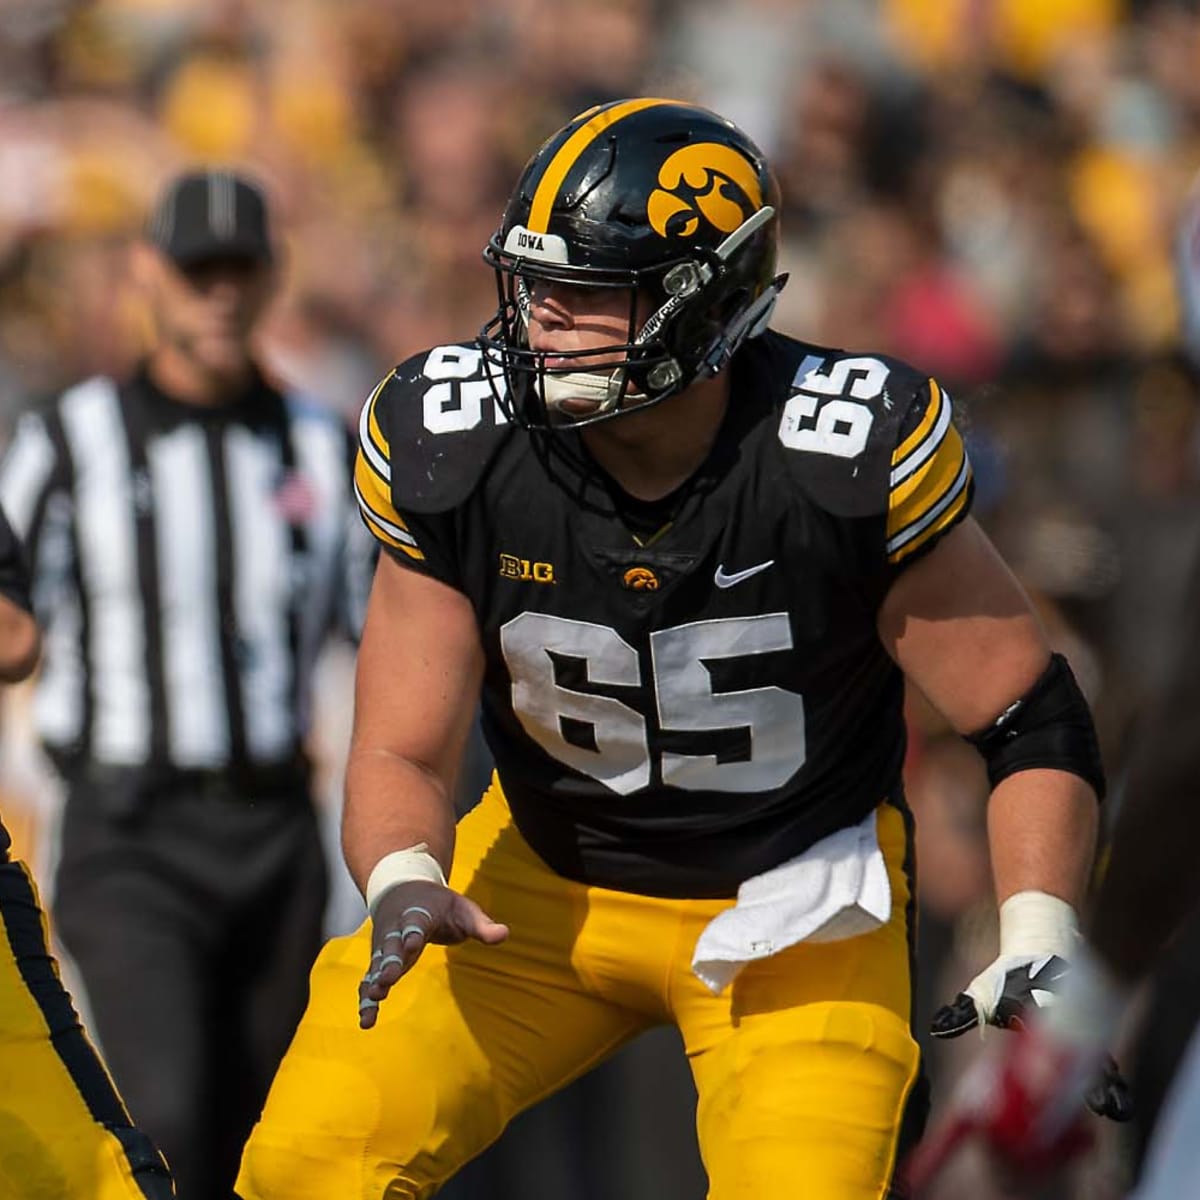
<point x="686" y="563"/>
<point x="64" y="1131"/>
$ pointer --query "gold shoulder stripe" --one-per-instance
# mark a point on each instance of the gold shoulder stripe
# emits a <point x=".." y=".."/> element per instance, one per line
<point x="373" y="425"/>
<point x="387" y="539"/>
<point x="375" y="495"/>
<point x="912" y="495"/>
<point x="381" y="518"/>
<point x="568" y="154"/>
<point x="943" y="521"/>
<point x="935" y="503"/>
<point x="928" y="421"/>
<point x="371" y="441"/>
<point x="913" y="499"/>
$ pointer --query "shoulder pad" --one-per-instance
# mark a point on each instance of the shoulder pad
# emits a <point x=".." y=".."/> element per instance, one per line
<point x="436" y="421"/>
<point x="845" y="416"/>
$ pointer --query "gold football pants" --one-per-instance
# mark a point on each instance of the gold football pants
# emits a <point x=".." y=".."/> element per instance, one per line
<point x="64" y="1132"/>
<point x="804" y="1065"/>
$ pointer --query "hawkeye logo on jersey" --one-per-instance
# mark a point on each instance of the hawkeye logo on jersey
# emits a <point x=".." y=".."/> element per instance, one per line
<point x="640" y="579"/>
<point x="705" y="181"/>
<point x="512" y="567"/>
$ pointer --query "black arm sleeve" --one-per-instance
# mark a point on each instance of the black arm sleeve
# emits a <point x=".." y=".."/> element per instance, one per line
<point x="1050" y="726"/>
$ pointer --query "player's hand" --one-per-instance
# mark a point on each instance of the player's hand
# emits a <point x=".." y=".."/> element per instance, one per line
<point x="1006" y="995"/>
<point x="1023" y="1100"/>
<point x="1038" y="934"/>
<point x="1001" y="995"/>
<point x="407" y="918"/>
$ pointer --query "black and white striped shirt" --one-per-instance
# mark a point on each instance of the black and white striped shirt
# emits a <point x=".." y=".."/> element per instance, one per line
<point x="187" y="563"/>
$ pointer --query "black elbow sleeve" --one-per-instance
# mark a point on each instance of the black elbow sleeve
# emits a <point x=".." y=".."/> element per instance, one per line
<point x="1050" y="726"/>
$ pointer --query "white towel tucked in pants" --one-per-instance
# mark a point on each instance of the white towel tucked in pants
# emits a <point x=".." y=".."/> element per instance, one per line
<point x="837" y="889"/>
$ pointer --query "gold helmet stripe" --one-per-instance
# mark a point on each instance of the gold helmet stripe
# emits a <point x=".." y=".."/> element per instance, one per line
<point x="569" y="152"/>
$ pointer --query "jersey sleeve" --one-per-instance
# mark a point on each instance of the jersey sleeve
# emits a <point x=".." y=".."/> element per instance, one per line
<point x="424" y="542"/>
<point x="930" y="483"/>
<point x="873" y="446"/>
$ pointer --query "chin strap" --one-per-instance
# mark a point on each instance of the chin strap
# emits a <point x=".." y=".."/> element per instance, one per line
<point x="603" y="391"/>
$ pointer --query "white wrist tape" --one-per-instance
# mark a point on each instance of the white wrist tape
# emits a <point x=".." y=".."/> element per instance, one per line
<point x="1033" y="924"/>
<point x="401" y="866"/>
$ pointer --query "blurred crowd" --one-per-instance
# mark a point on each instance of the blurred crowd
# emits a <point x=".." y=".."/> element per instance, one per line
<point x="989" y="189"/>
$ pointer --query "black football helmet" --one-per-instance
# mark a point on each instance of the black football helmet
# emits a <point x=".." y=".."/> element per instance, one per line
<point x="660" y="197"/>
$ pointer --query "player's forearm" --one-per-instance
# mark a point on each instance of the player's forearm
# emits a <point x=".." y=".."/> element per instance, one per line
<point x="1042" y="832"/>
<point x="393" y="803"/>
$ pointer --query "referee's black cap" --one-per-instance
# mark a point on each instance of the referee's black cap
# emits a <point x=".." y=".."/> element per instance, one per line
<point x="209" y="214"/>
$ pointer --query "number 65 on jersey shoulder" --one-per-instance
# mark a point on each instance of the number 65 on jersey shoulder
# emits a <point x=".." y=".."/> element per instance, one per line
<point x="877" y="438"/>
<point x="835" y="394"/>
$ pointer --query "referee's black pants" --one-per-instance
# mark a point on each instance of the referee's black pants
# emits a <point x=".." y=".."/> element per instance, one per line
<point x="193" y="912"/>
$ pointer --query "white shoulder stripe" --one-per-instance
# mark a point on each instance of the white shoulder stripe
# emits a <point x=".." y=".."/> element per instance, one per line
<point x="378" y="462"/>
<point x="401" y="535"/>
<point x="925" y="449"/>
<point x="906" y="535"/>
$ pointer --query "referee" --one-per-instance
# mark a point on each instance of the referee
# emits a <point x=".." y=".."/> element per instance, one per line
<point x="192" y="538"/>
<point x="64" y="1132"/>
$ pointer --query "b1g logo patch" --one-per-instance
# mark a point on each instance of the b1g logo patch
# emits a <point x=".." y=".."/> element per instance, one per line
<point x="512" y="567"/>
<point x="705" y="181"/>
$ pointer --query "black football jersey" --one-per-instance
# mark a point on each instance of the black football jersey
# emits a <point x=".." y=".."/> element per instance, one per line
<point x="674" y="711"/>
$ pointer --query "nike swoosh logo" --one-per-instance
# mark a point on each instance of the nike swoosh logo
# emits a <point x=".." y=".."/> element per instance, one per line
<point x="727" y="581"/>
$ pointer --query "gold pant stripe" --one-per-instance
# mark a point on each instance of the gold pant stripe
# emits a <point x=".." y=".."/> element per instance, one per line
<point x="56" y="1098"/>
<point x="803" y="1065"/>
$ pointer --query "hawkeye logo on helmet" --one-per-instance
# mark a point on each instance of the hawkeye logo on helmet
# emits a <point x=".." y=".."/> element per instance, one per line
<point x="545" y="247"/>
<point x="704" y="181"/>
